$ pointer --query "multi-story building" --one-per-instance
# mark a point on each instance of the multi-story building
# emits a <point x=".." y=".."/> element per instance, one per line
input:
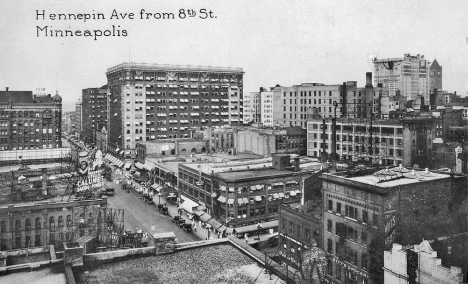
<point x="240" y="194"/>
<point x="291" y="105"/>
<point x="154" y="101"/>
<point x="266" y="141"/>
<point x="408" y="74"/>
<point x="78" y="122"/>
<point x="299" y="229"/>
<point x="28" y="122"/>
<point x="94" y="116"/>
<point x="365" y="212"/>
<point x="252" y="107"/>
<point x="266" y="108"/>
<point x="408" y="140"/>
<point x="435" y="77"/>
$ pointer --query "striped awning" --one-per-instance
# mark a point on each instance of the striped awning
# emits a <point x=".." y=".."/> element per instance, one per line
<point x="139" y="165"/>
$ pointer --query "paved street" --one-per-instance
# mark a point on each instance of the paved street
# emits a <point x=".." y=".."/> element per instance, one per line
<point x="144" y="215"/>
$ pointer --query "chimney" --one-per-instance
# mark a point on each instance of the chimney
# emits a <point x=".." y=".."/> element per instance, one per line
<point x="7" y="88"/>
<point x="368" y="79"/>
<point x="296" y="164"/>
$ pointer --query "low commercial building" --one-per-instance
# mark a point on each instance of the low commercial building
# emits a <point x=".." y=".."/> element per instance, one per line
<point x="241" y="194"/>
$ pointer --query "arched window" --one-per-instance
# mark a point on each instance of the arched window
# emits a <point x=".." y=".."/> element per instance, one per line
<point x="172" y="151"/>
<point x="60" y="221"/>
<point x="69" y="220"/>
<point x="28" y="224"/>
<point x="38" y="223"/>
<point x="18" y="225"/>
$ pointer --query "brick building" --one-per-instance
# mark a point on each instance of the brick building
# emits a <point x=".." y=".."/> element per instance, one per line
<point x="155" y="101"/>
<point x="241" y="194"/>
<point x="367" y="212"/>
<point x="94" y="112"/>
<point x="29" y="122"/>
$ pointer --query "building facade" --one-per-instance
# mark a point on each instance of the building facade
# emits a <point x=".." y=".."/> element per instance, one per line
<point x="435" y="77"/>
<point x="299" y="229"/>
<point x="408" y="75"/>
<point x="94" y="112"/>
<point x="365" y="213"/>
<point x="267" y="141"/>
<point x="29" y="122"/>
<point x="252" y="107"/>
<point x="154" y="101"/>
<point x="291" y="105"/>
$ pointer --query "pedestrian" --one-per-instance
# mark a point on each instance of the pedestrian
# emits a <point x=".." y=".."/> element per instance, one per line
<point x="164" y="204"/>
<point x="199" y="223"/>
<point x="246" y="238"/>
<point x="194" y="227"/>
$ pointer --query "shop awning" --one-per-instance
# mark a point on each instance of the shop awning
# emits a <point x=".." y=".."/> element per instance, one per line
<point x="205" y="217"/>
<point x="252" y="187"/>
<point x="172" y="194"/>
<point x="156" y="186"/>
<point x="223" y="188"/>
<point x="148" y="167"/>
<point x="259" y="187"/>
<point x="292" y="193"/>
<point x="188" y="204"/>
<point x="121" y="164"/>
<point x="139" y="165"/>
<point x="278" y="184"/>
<point x="214" y="223"/>
<point x="281" y="195"/>
<point x="229" y="230"/>
<point x="258" y="198"/>
<point x="128" y="165"/>
<point x="276" y="195"/>
<point x="214" y="194"/>
<point x="222" y="228"/>
<point x="298" y="191"/>
<point x="198" y="212"/>
<point x="222" y="199"/>
<point x="246" y="201"/>
<point x="252" y="228"/>
<point x="240" y="201"/>
<point x="230" y="201"/>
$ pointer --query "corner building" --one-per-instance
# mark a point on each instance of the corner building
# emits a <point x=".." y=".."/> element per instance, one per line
<point x="155" y="101"/>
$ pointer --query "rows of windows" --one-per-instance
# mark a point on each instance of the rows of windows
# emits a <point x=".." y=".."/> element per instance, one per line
<point x="352" y="212"/>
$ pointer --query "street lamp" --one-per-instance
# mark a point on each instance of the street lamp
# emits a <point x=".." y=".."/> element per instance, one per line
<point x="259" y="227"/>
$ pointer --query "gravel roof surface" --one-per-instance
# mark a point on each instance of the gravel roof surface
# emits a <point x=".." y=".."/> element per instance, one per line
<point x="212" y="264"/>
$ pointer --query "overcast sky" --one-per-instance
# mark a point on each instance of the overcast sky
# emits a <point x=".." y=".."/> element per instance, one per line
<point x="275" y="42"/>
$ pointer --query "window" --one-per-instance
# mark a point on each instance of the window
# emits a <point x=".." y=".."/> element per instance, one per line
<point x="338" y="207"/>
<point x="307" y="235"/>
<point x="330" y="246"/>
<point x="52" y="223"/>
<point x="351" y="212"/>
<point x="38" y="223"/>
<point x="364" y="261"/>
<point x="352" y="234"/>
<point x="364" y="238"/>
<point x="365" y="216"/>
<point x="329" y="267"/>
<point x="291" y="228"/>
<point x="298" y="231"/>
<point x="69" y="220"/>
<point x="60" y="221"/>
<point x="28" y="224"/>
<point x="330" y="226"/>
<point x="330" y="205"/>
<point x="18" y="225"/>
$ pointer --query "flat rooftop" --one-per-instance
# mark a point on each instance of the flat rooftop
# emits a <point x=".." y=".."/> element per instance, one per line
<point x="170" y="67"/>
<point x="391" y="177"/>
<point x="42" y="276"/>
<point x="15" y="168"/>
<point x="210" y="264"/>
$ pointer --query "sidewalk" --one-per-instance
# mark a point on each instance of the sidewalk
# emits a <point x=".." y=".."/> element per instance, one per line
<point x="172" y="208"/>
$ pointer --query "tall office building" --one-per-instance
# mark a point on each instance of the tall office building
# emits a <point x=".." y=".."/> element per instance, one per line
<point x="29" y="122"/>
<point x="155" y="101"/>
<point x="252" y="107"/>
<point x="407" y="75"/>
<point x="94" y="104"/>
<point x="435" y="81"/>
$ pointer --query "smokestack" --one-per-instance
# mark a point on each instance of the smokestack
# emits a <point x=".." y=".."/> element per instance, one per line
<point x="368" y="79"/>
<point x="7" y="88"/>
<point x="344" y="111"/>
<point x="296" y="164"/>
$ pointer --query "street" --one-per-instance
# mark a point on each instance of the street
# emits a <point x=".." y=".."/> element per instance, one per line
<point x="144" y="215"/>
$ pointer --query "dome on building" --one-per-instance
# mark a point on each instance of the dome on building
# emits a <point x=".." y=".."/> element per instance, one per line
<point x="57" y="99"/>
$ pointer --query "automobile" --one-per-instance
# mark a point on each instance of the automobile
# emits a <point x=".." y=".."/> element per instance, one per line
<point x="165" y="211"/>
<point x="181" y="223"/>
<point x="189" y="216"/>
<point x="109" y="190"/>
<point x="187" y="227"/>
<point x="175" y="219"/>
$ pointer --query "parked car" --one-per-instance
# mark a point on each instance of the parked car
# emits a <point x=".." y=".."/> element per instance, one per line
<point x="175" y="219"/>
<point x="109" y="190"/>
<point x="181" y="223"/>
<point x="187" y="228"/>
<point x="165" y="211"/>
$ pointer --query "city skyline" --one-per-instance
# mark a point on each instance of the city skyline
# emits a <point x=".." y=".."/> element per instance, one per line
<point x="286" y="44"/>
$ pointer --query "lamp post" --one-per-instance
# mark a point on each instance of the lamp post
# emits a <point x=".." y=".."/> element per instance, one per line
<point x="259" y="227"/>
